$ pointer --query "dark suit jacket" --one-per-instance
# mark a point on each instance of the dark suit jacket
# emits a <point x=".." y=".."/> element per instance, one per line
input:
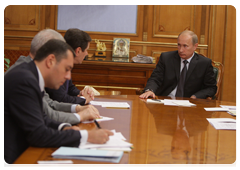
<point x="199" y="80"/>
<point x="66" y="94"/>
<point x="25" y="124"/>
<point x="55" y="110"/>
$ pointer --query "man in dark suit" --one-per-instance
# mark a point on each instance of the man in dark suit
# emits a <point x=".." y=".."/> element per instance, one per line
<point x="68" y="92"/>
<point x="199" y="76"/>
<point x="25" y="123"/>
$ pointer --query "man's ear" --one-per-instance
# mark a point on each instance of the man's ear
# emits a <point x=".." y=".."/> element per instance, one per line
<point x="78" y="50"/>
<point x="50" y="60"/>
<point x="195" y="46"/>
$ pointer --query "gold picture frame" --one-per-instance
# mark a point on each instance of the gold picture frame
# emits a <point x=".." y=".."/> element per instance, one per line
<point x="121" y="49"/>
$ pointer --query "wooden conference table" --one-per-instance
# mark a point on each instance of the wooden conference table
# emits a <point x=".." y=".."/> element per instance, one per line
<point x="152" y="129"/>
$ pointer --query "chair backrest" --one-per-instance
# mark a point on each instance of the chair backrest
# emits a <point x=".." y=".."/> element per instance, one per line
<point x="218" y="70"/>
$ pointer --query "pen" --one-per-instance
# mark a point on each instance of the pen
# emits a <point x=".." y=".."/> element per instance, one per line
<point x="227" y="122"/>
<point x="97" y="124"/>
<point x="157" y="100"/>
<point x="117" y="107"/>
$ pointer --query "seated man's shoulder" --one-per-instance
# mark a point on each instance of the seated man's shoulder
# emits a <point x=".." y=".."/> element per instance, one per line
<point x="22" y="59"/>
<point x="204" y="59"/>
<point x="170" y="53"/>
<point x="21" y="72"/>
<point x="167" y="56"/>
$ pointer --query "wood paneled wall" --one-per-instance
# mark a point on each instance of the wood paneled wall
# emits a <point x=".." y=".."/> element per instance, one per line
<point x="157" y="29"/>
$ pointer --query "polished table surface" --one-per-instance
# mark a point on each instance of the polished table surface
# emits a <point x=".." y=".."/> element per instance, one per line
<point x="160" y="134"/>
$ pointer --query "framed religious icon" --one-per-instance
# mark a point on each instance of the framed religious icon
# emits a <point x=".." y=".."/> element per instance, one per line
<point x="121" y="49"/>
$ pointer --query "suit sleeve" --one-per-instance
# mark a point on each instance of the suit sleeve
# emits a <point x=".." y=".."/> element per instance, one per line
<point x="209" y="87"/>
<point x="72" y="89"/>
<point x="61" y="96"/>
<point x="25" y="103"/>
<point x="157" y="76"/>
<point x="59" y="116"/>
<point x="59" y="106"/>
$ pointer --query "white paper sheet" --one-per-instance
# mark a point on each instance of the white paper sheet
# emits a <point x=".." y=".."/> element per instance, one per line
<point x="223" y="123"/>
<point x="112" y="142"/>
<point x="229" y="107"/>
<point x="157" y="101"/>
<point x="219" y="109"/>
<point x="55" y="162"/>
<point x="124" y="149"/>
<point x="115" y="141"/>
<point x="103" y="118"/>
<point x="111" y="104"/>
<point x="171" y="102"/>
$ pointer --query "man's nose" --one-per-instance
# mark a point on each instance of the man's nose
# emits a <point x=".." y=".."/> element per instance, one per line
<point x="68" y="75"/>
<point x="180" y="49"/>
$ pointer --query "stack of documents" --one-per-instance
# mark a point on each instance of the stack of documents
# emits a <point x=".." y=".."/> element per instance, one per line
<point x="224" y="108"/>
<point x="101" y="119"/>
<point x="223" y="123"/>
<point x="111" y="151"/>
<point x="171" y="102"/>
<point x="88" y="154"/>
<point x="231" y="109"/>
<point x="123" y="105"/>
<point x="115" y="143"/>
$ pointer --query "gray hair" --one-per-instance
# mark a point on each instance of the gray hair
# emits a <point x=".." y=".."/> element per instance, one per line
<point x="192" y="34"/>
<point x="42" y="37"/>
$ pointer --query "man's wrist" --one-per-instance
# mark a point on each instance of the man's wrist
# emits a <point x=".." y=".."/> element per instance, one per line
<point x="148" y="90"/>
<point x="84" y="137"/>
<point x="77" y="109"/>
<point x="63" y="125"/>
<point x="74" y="108"/>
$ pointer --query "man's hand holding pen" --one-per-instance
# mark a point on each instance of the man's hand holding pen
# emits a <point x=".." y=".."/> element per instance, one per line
<point x="99" y="136"/>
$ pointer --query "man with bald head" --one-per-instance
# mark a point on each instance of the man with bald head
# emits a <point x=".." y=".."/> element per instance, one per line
<point x="197" y="80"/>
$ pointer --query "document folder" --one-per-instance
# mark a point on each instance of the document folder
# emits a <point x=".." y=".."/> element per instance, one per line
<point x="88" y="154"/>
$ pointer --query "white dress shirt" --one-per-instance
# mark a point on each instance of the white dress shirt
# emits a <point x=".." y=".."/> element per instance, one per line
<point x="173" y="93"/>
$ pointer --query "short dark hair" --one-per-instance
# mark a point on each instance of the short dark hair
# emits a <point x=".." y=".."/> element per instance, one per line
<point x="192" y="34"/>
<point x="77" y="38"/>
<point x="56" y="47"/>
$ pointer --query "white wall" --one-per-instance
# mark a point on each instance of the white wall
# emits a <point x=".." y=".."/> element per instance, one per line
<point x="98" y="18"/>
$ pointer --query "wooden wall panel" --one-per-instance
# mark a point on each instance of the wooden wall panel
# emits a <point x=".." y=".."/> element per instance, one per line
<point x="218" y="33"/>
<point x="25" y="17"/>
<point x="163" y="26"/>
<point x="229" y="80"/>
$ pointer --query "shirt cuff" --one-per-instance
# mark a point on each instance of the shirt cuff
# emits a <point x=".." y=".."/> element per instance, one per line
<point x="77" y="115"/>
<point x="62" y="125"/>
<point x="84" y="136"/>
<point x="148" y="90"/>
<point x="73" y="108"/>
